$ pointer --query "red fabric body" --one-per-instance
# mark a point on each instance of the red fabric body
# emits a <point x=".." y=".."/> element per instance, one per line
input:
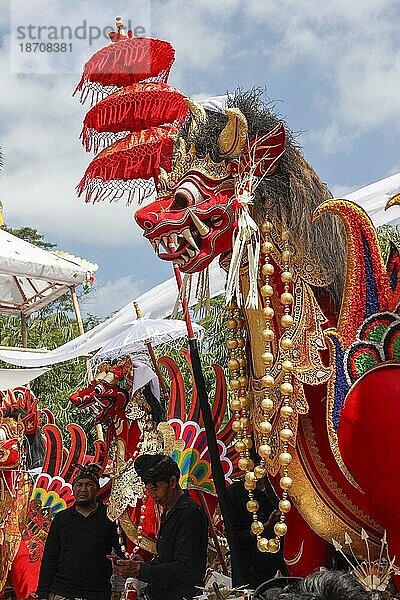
<point x="369" y="442"/>
<point x="24" y="574"/>
<point x="303" y="543"/>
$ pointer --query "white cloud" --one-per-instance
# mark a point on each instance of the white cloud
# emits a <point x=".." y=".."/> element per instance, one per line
<point x="353" y="47"/>
<point x="109" y="297"/>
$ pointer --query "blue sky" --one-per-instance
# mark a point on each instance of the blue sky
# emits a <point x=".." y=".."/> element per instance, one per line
<point x="333" y="67"/>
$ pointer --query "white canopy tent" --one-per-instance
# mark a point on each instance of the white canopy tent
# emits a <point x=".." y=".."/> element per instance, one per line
<point x="159" y="301"/>
<point x="31" y="277"/>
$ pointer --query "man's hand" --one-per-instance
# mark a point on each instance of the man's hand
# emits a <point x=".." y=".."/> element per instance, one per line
<point x="127" y="568"/>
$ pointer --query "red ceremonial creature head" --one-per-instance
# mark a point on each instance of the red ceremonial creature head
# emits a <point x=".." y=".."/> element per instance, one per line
<point x="195" y="214"/>
<point x="104" y="397"/>
<point x="21" y="402"/>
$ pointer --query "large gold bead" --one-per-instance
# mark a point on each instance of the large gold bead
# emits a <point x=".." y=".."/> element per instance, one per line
<point x="266" y="227"/>
<point x="286" y="321"/>
<point x="233" y="364"/>
<point x="286" y="298"/>
<point x="268" y="313"/>
<point x="234" y="384"/>
<point x="259" y="471"/>
<point x="240" y="322"/>
<point x="285" y="458"/>
<point x="286" y="276"/>
<point x="264" y="450"/>
<point x="236" y="426"/>
<point x="280" y="529"/>
<point x="231" y="344"/>
<point x="267" y="358"/>
<point x="286" y="434"/>
<point x="252" y="506"/>
<point x="267" y="290"/>
<point x="286" y="482"/>
<point x="239" y="446"/>
<point x="265" y="427"/>
<point x="286" y="255"/>
<point x="257" y="527"/>
<point x="262" y="544"/>
<point x="235" y="404"/>
<point x="231" y="323"/>
<point x="284" y="506"/>
<point x="245" y="464"/>
<point x="266" y="248"/>
<point x="240" y="342"/>
<point x="287" y="365"/>
<point x="268" y="381"/>
<point x="250" y="486"/>
<point x="268" y="335"/>
<point x="286" y="343"/>
<point x="286" y="412"/>
<point x="242" y="361"/>
<point x="267" y="404"/>
<point x="247" y="442"/>
<point x="250" y="477"/>
<point x="273" y="546"/>
<point x="286" y="388"/>
<point x="267" y="269"/>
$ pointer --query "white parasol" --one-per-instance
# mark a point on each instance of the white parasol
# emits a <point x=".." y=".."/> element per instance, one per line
<point x="140" y="333"/>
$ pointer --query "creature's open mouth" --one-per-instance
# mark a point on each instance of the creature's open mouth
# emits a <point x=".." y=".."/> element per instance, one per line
<point x="183" y="246"/>
<point x="94" y="407"/>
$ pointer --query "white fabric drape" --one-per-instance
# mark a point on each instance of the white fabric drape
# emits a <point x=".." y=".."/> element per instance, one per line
<point x="12" y="378"/>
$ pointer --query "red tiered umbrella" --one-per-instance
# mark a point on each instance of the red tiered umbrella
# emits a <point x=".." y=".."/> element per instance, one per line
<point x="126" y="61"/>
<point x="130" y="165"/>
<point x="138" y="106"/>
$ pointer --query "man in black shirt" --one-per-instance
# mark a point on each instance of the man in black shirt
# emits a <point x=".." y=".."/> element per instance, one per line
<point x="75" y="563"/>
<point x="180" y="566"/>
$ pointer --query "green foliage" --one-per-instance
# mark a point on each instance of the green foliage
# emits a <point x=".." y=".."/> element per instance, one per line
<point x="31" y="235"/>
<point x="386" y="234"/>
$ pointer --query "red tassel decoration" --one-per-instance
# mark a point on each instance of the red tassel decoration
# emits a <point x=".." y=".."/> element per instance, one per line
<point x="118" y="168"/>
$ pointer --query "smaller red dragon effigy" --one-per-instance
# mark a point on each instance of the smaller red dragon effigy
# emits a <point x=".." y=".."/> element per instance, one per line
<point x="135" y="427"/>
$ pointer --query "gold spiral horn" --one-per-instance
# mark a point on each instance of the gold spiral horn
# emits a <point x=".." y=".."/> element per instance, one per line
<point x="233" y="137"/>
<point x="198" y="116"/>
<point x="393" y="201"/>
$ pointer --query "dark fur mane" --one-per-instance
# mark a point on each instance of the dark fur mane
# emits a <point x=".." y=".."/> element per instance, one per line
<point x="292" y="192"/>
